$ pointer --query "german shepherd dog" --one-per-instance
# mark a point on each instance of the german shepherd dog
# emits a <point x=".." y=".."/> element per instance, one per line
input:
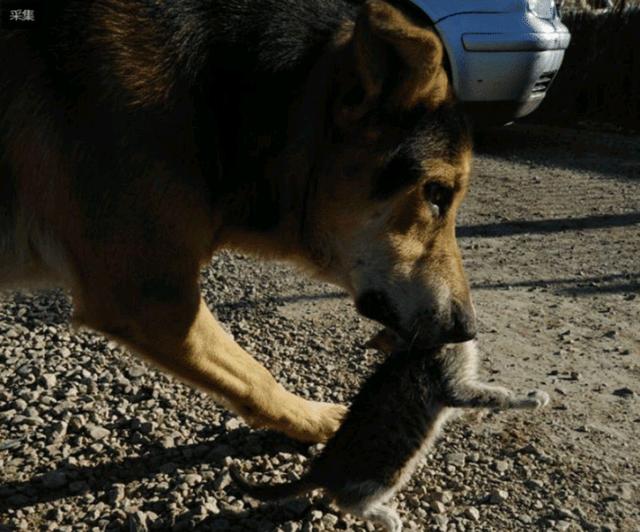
<point x="139" y="137"/>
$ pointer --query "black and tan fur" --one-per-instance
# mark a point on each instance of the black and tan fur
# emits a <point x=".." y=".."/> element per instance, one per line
<point x="393" y="421"/>
<point x="139" y="137"/>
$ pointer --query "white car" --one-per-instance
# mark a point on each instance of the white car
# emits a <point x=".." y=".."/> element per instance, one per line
<point x="502" y="54"/>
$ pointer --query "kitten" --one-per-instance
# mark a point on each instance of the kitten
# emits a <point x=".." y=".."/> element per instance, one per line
<point x="392" y="422"/>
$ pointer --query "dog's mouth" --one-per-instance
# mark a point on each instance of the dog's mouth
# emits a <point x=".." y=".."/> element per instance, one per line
<point x="375" y="305"/>
<point x="387" y="340"/>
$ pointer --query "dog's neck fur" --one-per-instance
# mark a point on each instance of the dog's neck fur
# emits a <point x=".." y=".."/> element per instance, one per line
<point x="270" y="121"/>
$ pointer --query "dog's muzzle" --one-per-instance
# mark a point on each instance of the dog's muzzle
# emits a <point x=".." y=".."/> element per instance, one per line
<point x="375" y="305"/>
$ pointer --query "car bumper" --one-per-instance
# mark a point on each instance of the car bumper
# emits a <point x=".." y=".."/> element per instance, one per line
<point x="515" y="42"/>
<point x="512" y="70"/>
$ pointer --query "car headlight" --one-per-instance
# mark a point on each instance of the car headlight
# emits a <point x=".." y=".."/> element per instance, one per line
<point x="542" y="8"/>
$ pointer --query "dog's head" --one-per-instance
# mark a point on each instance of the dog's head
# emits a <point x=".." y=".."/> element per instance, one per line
<point x="392" y="172"/>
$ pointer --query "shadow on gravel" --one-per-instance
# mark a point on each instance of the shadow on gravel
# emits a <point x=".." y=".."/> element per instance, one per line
<point x="50" y="307"/>
<point x="262" y="518"/>
<point x="578" y="286"/>
<point x="242" y="443"/>
<point x="572" y="149"/>
<point x="557" y="225"/>
<point x="278" y="300"/>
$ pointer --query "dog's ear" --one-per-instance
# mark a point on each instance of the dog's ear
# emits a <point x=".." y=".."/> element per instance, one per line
<point x="398" y="62"/>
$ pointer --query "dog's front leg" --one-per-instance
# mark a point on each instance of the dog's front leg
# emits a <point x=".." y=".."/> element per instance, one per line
<point x="206" y="356"/>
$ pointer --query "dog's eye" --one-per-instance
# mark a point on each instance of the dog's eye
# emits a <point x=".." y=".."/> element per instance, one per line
<point x="438" y="196"/>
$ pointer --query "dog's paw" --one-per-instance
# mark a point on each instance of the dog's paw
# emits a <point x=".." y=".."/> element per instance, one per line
<point x="316" y="423"/>
<point x="538" y="398"/>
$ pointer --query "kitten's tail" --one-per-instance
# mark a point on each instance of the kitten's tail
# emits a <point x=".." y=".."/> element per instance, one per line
<point x="272" y="492"/>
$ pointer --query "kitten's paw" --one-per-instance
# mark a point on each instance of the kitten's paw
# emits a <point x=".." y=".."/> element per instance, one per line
<point x="539" y="398"/>
<point x="499" y="398"/>
<point x="532" y="401"/>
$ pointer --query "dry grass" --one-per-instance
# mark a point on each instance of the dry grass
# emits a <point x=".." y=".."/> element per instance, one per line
<point x="589" y="5"/>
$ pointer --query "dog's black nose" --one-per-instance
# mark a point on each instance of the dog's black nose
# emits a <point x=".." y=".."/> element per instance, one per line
<point x="463" y="323"/>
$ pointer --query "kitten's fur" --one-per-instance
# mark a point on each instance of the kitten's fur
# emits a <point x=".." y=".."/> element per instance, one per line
<point x="392" y="422"/>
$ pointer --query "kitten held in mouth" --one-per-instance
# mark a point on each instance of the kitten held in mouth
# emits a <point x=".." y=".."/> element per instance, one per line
<point x="391" y="424"/>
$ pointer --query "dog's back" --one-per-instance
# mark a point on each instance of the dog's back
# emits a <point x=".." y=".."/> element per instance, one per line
<point x="102" y="92"/>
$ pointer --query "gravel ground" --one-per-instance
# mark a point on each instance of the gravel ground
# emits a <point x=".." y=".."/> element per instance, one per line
<point x="92" y="438"/>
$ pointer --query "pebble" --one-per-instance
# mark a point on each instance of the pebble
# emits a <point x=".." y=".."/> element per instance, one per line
<point x="441" y="521"/>
<point x="48" y="380"/>
<point x="330" y="521"/>
<point x="138" y="522"/>
<point x="444" y="497"/>
<point x="624" y="392"/>
<point x="222" y="482"/>
<point x="455" y="459"/>
<point x="626" y="491"/>
<point x="498" y="496"/>
<point x="116" y="494"/>
<point x="76" y="423"/>
<point x="168" y="442"/>
<point x="232" y="424"/>
<point x="135" y="372"/>
<point x="9" y="444"/>
<point x="564" y="513"/>
<point x="473" y="514"/>
<point x="533" y="483"/>
<point x="192" y="479"/>
<point x="97" y="433"/>
<point x="211" y="506"/>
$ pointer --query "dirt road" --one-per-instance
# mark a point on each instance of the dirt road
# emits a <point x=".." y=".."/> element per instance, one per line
<point x="90" y="438"/>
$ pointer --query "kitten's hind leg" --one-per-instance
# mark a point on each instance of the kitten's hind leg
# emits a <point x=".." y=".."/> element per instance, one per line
<point x="378" y="513"/>
<point x="478" y="395"/>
